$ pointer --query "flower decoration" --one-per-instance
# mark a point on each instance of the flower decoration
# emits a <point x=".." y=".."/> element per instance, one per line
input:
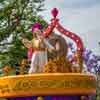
<point x="91" y="60"/>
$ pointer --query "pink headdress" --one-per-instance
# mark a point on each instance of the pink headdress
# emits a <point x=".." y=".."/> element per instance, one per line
<point x="36" y="26"/>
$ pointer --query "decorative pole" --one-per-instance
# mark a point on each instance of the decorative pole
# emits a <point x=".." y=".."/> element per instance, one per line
<point x="53" y="24"/>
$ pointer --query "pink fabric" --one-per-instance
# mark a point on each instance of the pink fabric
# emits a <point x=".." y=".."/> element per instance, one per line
<point x="29" y="53"/>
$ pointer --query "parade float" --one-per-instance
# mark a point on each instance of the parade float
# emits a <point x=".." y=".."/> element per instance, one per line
<point x="59" y="79"/>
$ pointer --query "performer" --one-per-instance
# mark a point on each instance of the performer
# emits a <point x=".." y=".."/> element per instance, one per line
<point x="39" y="54"/>
<point x="57" y="57"/>
<point x="60" y="45"/>
<point x="37" y="49"/>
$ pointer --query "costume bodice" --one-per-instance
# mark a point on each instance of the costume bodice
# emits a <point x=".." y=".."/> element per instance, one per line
<point x="37" y="43"/>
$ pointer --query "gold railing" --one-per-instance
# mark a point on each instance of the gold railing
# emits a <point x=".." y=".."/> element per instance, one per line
<point x="47" y="84"/>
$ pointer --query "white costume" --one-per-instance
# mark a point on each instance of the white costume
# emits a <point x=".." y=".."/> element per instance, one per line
<point x="39" y="57"/>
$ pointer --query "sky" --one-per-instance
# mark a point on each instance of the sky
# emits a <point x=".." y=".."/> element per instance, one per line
<point x="79" y="16"/>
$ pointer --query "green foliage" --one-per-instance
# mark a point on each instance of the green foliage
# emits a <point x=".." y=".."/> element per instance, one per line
<point x="16" y="18"/>
<point x="98" y="97"/>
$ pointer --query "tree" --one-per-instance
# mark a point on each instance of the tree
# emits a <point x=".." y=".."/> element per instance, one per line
<point x="16" y="18"/>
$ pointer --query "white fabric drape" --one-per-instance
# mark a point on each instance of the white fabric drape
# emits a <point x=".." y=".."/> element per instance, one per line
<point x="39" y="59"/>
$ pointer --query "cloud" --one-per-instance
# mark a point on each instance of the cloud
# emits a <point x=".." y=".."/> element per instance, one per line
<point x="74" y="3"/>
<point x="83" y="20"/>
<point x="85" y="23"/>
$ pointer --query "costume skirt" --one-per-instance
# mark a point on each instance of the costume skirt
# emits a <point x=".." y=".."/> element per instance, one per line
<point x="39" y="59"/>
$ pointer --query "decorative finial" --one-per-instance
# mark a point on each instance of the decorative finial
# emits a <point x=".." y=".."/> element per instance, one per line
<point x="54" y="12"/>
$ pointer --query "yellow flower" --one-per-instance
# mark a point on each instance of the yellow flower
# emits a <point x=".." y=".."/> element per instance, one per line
<point x="40" y="98"/>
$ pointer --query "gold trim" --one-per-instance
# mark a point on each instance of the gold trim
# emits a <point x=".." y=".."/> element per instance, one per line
<point x="47" y="84"/>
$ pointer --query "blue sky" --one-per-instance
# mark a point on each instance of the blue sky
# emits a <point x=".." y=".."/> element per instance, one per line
<point x="81" y="17"/>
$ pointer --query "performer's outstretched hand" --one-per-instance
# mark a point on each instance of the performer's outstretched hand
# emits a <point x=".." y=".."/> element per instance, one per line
<point x="27" y="43"/>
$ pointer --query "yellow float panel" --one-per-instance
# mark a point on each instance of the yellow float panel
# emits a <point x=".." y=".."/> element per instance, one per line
<point x="47" y="84"/>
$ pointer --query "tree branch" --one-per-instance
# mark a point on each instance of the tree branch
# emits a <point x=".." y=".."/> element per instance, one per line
<point x="3" y="44"/>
